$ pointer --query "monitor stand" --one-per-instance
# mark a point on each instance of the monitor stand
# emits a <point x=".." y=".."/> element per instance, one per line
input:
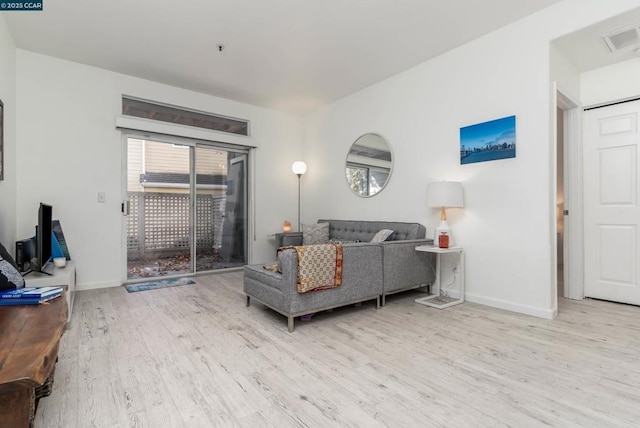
<point x="47" y="269"/>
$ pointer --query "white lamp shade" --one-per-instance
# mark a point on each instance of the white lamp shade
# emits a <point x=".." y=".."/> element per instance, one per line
<point x="445" y="194"/>
<point x="299" y="167"/>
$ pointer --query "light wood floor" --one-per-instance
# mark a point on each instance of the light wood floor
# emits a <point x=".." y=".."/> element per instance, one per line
<point x="195" y="356"/>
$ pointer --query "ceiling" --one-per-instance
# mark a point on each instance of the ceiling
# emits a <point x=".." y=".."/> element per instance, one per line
<point x="587" y="50"/>
<point x="290" y="55"/>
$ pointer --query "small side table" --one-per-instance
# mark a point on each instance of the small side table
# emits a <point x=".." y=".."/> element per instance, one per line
<point x="435" y="300"/>
<point x="284" y="239"/>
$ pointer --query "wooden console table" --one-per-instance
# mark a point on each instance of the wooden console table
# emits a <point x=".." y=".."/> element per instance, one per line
<point x="29" y="339"/>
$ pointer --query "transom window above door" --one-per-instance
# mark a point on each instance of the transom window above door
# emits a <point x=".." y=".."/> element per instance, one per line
<point x="164" y="113"/>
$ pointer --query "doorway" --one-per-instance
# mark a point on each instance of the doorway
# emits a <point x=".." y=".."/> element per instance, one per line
<point x="179" y="195"/>
<point x="560" y="209"/>
<point x="567" y="212"/>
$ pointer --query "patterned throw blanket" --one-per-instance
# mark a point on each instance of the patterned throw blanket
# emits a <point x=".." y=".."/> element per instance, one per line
<point x="319" y="267"/>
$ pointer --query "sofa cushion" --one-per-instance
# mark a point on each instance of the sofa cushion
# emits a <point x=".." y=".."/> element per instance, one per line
<point x="382" y="235"/>
<point x="314" y="234"/>
<point x="9" y="275"/>
<point x="364" y="231"/>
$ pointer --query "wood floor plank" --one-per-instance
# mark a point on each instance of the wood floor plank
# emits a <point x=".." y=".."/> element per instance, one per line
<point x="196" y="356"/>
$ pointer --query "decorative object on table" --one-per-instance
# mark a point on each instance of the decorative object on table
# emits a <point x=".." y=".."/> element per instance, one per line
<point x="299" y="168"/>
<point x="62" y="242"/>
<point x="1" y="140"/>
<point x="56" y="250"/>
<point x="29" y="295"/>
<point x="31" y="292"/>
<point x="59" y="262"/>
<point x="286" y="227"/>
<point x="488" y="141"/>
<point x="444" y="194"/>
<point x="153" y="285"/>
<point x="443" y="240"/>
<point x="369" y="165"/>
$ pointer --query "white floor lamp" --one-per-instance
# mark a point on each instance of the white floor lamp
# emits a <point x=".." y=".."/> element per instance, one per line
<point x="299" y="168"/>
<point x="444" y="194"/>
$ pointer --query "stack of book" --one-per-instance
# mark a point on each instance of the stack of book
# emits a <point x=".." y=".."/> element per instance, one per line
<point x="29" y="295"/>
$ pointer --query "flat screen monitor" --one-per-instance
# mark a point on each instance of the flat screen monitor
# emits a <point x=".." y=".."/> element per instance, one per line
<point x="44" y="262"/>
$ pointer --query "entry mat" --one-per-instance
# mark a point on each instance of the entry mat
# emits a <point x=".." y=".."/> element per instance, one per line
<point x="163" y="283"/>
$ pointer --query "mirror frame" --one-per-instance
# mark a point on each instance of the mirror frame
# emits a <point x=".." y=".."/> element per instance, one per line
<point x="386" y="183"/>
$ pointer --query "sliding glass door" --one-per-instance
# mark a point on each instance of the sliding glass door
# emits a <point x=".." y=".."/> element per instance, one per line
<point x="221" y="209"/>
<point x="187" y="207"/>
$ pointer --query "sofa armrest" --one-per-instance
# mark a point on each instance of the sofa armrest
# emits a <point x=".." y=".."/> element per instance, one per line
<point x="404" y="267"/>
<point x="273" y="288"/>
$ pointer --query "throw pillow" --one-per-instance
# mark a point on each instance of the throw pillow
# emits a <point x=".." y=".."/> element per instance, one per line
<point x="342" y="241"/>
<point x="5" y="255"/>
<point x="382" y="235"/>
<point x="9" y="275"/>
<point x="314" y="234"/>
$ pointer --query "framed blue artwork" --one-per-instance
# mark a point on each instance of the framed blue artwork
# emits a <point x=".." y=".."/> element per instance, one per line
<point x="488" y="141"/>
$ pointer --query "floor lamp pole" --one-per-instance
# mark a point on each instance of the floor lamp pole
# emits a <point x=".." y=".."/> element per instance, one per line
<point x="298" y="169"/>
<point x="299" y="225"/>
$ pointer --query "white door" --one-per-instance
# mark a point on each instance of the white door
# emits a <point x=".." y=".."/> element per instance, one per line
<point x="611" y="213"/>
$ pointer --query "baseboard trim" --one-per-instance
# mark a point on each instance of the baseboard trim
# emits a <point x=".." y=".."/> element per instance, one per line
<point x="513" y="307"/>
<point x="97" y="285"/>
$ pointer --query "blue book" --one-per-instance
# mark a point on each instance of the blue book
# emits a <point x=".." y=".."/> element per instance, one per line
<point x="27" y="301"/>
<point x="30" y="293"/>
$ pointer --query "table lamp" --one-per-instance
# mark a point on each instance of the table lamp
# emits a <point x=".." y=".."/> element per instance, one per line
<point x="444" y="194"/>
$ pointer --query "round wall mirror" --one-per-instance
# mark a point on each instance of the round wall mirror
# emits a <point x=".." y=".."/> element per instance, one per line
<point x="369" y="164"/>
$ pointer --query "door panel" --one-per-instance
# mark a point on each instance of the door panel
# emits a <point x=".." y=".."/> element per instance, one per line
<point x="158" y="223"/>
<point x="233" y="249"/>
<point x="617" y="254"/>
<point x="220" y="197"/>
<point x="617" y="175"/>
<point x="611" y="202"/>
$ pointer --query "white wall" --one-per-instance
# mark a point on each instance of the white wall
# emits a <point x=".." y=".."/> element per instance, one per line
<point x="8" y="97"/>
<point x="508" y="224"/>
<point x="69" y="150"/>
<point x="565" y="74"/>
<point x="614" y="82"/>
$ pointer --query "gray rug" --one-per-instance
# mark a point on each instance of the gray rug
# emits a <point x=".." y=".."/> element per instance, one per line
<point x="153" y="285"/>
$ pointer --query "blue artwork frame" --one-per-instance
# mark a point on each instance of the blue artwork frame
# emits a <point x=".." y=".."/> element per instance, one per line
<point x="488" y="141"/>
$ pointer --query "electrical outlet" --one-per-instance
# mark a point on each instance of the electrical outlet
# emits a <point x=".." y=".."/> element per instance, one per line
<point x="102" y="197"/>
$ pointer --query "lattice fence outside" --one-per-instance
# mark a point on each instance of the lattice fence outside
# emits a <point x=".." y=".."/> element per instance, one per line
<point x="159" y="222"/>
<point x="133" y="238"/>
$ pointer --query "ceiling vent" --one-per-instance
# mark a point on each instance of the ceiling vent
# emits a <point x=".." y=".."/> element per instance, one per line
<point x="625" y="40"/>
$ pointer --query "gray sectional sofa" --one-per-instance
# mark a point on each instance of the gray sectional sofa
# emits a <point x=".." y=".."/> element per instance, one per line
<point x="371" y="271"/>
